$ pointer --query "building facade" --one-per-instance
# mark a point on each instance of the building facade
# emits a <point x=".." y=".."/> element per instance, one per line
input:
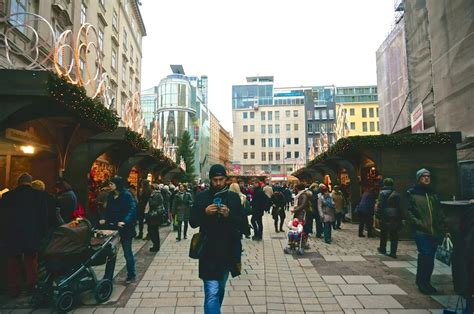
<point x="119" y="29"/>
<point x="179" y="107"/>
<point x="214" y="140"/>
<point x="360" y="107"/>
<point x="225" y="143"/>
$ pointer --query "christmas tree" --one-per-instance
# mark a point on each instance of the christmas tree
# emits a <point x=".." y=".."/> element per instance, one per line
<point x="186" y="151"/>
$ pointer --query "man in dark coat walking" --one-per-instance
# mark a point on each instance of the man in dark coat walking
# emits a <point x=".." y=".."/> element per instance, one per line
<point x="219" y="215"/>
<point x="260" y="203"/>
<point x="143" y="198"/>
<point x="25" y="224"/>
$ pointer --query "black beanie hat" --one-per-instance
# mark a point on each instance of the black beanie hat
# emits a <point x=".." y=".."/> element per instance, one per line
<point x="118" y="181"/>
<point x="216" y="171"/>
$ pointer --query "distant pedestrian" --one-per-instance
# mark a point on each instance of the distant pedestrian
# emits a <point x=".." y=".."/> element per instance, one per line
<point x="181" y="209"/>
<point x="260" y="203"/>
<point x="268" y="190"/>
<point x="389" y="213"/>
<point x="340" y="203"/>
<point x="302" y="202"/>
<point x="288" y="196"/>
<point x="143" y="198"/>
<point x="365" y="210"/>
<point x="427" y="217"/>
<point x="154" y="216"/>
<point x="278" y="210"/>
<point x="218" y="214"/>
<point x="327" y="211"/>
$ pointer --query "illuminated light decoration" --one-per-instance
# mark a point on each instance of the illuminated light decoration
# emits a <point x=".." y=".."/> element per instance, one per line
<point x="81" y="47"/>
<point x="133" y="117"/>
<point x="182" y="164"/>
<point x="156" y="139"/>
<point x="28" y="149"/>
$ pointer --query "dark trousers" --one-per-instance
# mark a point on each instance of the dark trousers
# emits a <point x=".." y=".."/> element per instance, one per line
<point x="257" y="225"/>
<point x="386" y="231"/>
<point x="154" y="233"/>
<point x="16" y="264"/>
<point x="140" y="219"/>
<point x="366" y="220"/>
<point x="426" y="245"/>
<point x="180" y="228"/>
<point x="327" y="231"/>
<point x="282" y="215"/>
<point x="337" y="223"/>
<point x="309" y="222"/>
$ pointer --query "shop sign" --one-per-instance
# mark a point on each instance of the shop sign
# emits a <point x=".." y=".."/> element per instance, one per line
<point x="23" y="137"/>
<point x="416" y="118"/>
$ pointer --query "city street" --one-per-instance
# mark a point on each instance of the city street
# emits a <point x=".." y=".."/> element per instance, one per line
<point x="347" y="276"/>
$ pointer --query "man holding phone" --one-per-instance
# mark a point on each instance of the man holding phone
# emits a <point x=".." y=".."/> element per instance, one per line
<point x="219" y="215"/>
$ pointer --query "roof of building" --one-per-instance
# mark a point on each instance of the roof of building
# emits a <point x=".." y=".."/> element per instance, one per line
<point x="135" y="7"/>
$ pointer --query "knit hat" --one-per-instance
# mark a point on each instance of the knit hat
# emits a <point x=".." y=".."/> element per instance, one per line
<point x="217" y="170"/>
<point x="421" y="172"/>
<point x="388" y="181"/>
<point x="118" y="181"/>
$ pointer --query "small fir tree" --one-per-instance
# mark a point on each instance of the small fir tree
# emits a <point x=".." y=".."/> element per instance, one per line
<point x="186" y="151"/>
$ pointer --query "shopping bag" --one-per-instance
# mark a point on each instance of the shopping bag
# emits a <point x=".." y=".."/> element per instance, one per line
<point x="445" y="251"/>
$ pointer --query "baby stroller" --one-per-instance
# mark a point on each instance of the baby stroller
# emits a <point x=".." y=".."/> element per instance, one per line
<point x="70" y="253"/>
<point x="296" y="237"/>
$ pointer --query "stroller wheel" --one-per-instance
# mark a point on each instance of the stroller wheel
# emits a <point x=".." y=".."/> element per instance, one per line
<point x="65" y="301"/>
<point x="103" y="290"/>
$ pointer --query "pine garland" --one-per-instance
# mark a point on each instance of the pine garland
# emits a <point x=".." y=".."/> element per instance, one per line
<point x="75" y="99"/>
<point x="136" y="140"/>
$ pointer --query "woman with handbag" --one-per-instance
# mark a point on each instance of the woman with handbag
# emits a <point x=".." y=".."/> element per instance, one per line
<point x="153" y="216"/>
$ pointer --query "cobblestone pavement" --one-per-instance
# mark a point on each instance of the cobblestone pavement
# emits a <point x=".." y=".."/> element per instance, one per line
<point x="347" y="276"/>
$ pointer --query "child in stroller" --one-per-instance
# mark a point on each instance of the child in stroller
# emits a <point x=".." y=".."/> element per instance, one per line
<point x="296" y="237"/>
<point x="70" y="253"/>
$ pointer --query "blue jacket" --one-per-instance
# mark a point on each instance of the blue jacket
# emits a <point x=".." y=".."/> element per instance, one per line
<point x="122" y="208"/>
<point x="367" y="203"/>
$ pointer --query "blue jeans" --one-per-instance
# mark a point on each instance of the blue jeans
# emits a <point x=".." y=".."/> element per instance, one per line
<point x="129" y="258"/>
<point x="214" y="294"/>
<point x="327" y="231"/>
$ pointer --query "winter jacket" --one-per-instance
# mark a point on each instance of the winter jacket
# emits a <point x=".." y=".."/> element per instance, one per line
<point x="367" y="204"/>
<point x="339" y="201"/>
<point x="122" y="208"/>
<point x="155" y="209"/>
<point x="67" y="203"/>
<point x="24" y="219"/>
<point x="388" y="208"/>
<point x="181" y="207"/>
<point x="302" y="205"/>
<point x="260" y="202"/>
<point x="142" y="200"/>
<point x="425" y="212"/>
<point x="222" y="251"/>
<point x="288" y="194"/>
<point x="326" y="207"/>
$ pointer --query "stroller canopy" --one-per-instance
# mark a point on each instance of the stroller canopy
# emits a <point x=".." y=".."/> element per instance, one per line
<point x="69" y="239"/>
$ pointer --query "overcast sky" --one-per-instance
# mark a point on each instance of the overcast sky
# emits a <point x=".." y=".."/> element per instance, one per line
<point x="299" y="42"/>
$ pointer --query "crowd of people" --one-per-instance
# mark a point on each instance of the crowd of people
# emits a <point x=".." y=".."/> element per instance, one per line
<point x="221" y="210"/>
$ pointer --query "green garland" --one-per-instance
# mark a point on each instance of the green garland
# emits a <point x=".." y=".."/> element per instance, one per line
<point x="136" y="140"/>
<point x="355" y="144"/>
<point x="75" y="99"/>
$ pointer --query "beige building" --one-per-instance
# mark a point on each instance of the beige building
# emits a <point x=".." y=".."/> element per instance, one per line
<point x="214" y="140"/>
<point x="269" y="139"/>
<point x="119" y="30"/>
<point x="225" y="143"/>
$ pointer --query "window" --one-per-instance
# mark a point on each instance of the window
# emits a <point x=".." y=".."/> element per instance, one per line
<point x="114" y="59"/>
<point x="310" y="127"/>
<point x="352" y="112"/>
<point x="264" y="156"/>
<point x="270" y="156"/>
<point x="295" y="126"/>
<point x="244" y="115"/>
<point x="297" y="154"/>
<point x="252" y="142"/>
<point x="124" y="72"/>
<point x="371" y="112"/>
<point x="277" y="115"/>
<point x="287" y="113"/>
<point x="264" y="141"/>
<point x="331" y="113"/>
<point x="101" y="40"/>
<point x="270" y="142"/>
<point x="317" y="114"/>
<point x="296" y="140"/>
<point x="252" y="155"/>
<point x="288" y="127"/>
<point x="18" y="6"/>
<point x="270" y="115"/>
<point x="288" y="154"/>
<point x="246" y="141"/>
<point x="246" y="155"/>
<point x="295" y="113"/>
<point x="125" y="40"/>
<point x="364" y="126"/>
<point x="262" y="129"/>
<point x="277" y="155"/>
<point x="277" y="142"/>
<point x="324" y="114"/>
<point x="115" y="20"/>
<point x="277" y="129"/>
<point x="252" y="115"/>
<point x="83" y="13"/>
<point x="372" y="127"/>
<point x="364" y="112"/>
<point x="309" y="113"/>
<point x="378" y="127"/>
<point x="252" y="128"/>
<point x="377" y="112"/>
<point x="353" y="125"/>
<point x="270" y="129"/>
<point x="288" y="141"/>
<point x="262" y="115"/>
<point x="246" y="128"/>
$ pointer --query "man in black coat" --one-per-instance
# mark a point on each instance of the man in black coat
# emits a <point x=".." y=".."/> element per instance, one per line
<point x="260" y="203"/>
<point x="219" y="215"/>
<point x="25" y="224"/>
<point x="143" y="198"/>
